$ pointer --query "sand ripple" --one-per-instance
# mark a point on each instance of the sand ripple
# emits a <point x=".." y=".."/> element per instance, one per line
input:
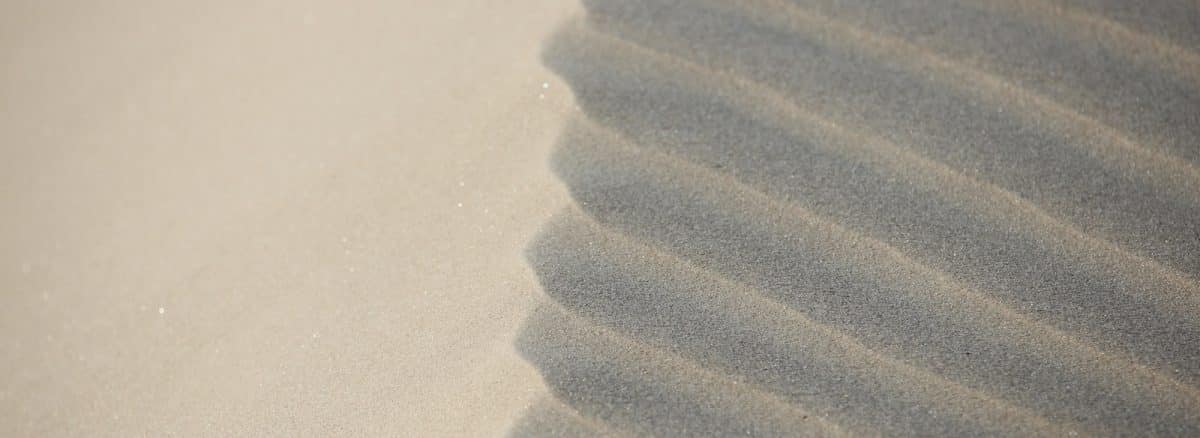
<point x="873" y="217"/>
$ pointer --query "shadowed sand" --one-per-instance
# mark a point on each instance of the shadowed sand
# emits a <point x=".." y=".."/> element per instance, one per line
<point x="917" y="217"/>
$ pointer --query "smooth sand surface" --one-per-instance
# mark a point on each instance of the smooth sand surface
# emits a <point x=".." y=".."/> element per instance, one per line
<point x="874" y="217"/>
<point x="259" y="218"/>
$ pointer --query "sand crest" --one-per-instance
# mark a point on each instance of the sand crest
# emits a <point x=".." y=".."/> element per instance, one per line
<point x="886" y="218"/>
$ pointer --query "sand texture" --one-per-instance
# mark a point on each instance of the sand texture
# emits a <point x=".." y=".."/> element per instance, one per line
<point x="271" y="218"/>
<point x="873" y="217"/>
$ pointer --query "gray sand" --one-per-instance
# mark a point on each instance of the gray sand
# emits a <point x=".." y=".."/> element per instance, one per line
<point x="918" y="217"/>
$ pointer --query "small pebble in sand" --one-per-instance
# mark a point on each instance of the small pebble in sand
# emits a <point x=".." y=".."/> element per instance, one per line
<point x="545" y="85"/>
<point x="161" y="310"/>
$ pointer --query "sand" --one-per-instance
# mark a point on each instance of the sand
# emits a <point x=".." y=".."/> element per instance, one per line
<point x="271" y="218"/>
<point x="619" y="217"/>
<point x="896" y="218"/>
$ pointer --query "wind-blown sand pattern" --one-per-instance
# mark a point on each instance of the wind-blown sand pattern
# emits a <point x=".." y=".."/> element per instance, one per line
<point x="916" y="217"/>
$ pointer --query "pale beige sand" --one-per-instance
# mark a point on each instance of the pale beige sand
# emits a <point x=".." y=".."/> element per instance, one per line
<point x="247" y="218"/>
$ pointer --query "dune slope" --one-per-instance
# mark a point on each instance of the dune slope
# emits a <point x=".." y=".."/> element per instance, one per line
<point x="913" y="217"/>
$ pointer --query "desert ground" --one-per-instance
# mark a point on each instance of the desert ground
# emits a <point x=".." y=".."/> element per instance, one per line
<point x="603" y="217"/>
<point x="271" y="218"/>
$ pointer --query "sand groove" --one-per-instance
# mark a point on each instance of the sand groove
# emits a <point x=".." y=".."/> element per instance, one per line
<point x="1149" y="297"/>
<point x="780" y="329"/>
<point x="788" y="224"/>
<point x="1039" y="161"/>
<point x="991" y="200"/>
<point x="1044" y="58"/>
<point x="1180" y="60"/>
<point x="651" y="375"/>
<point x="1115" y="145"/>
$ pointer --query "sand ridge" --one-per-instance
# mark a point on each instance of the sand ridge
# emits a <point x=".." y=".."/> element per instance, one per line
<point x="901" y="230"/>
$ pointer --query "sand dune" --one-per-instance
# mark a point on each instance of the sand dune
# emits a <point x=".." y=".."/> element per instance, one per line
<point x="266" y="218"/>
<point x="872" y="218"/>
